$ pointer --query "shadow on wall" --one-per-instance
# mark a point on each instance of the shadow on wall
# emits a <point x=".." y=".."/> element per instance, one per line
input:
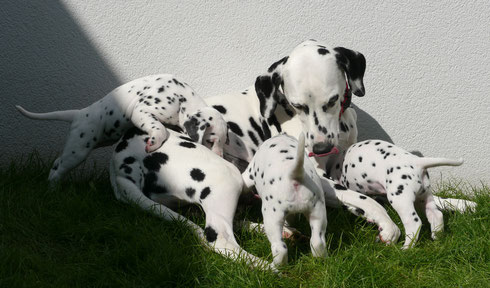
<point x="47" y="63"/>
<point x="368" y="127"/>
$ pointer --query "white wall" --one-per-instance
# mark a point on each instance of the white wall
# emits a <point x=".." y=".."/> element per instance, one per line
<point x="427" y="75"/>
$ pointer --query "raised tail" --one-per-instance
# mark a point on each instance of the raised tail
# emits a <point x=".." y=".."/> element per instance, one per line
<point x="64" y="115"/>
<point x="299" y="171"/>
<point x="428" y="162"/>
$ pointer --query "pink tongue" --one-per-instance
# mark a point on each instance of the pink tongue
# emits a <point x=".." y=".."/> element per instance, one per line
<point x="333" y="151"/>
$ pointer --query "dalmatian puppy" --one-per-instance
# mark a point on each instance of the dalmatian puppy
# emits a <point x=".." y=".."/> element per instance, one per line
<point x="148" y="103"/>
<point x="379" y="167"/>
<point x="287" y="182"/>
<point x="178" y="173"/>
<point x="302" y="92"/>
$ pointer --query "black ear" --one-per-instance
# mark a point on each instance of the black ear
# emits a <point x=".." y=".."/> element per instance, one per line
<point x="267" y="88"/>
<point x="192" y="129"/>
<point x="354" y="65"/>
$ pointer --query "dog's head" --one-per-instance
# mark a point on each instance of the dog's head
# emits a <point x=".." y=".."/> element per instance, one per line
<point x="313" y="81"/>
<point x="208" y="127"/>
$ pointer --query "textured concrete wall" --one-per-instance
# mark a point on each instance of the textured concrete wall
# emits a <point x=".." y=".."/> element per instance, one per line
<point x="427" y="77"/>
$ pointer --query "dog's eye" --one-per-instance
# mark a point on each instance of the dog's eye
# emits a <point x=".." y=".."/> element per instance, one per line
<point x="331" y="103"/>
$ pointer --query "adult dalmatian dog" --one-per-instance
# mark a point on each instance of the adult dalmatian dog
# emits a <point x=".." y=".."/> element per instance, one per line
<point x="303" y="92"/>
<point x="148" y="103"/>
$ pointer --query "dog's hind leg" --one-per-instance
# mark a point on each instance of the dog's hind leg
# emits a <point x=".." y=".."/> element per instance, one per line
<point x="450" y="204"/>
<point x="360" y="205"/>
<point x="79" y="143"/>
<point x="219" y="229"/>
<point x="433" y="214"/>
<point x="127" y="191"/>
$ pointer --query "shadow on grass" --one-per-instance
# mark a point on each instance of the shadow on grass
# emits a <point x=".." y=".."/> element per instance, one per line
<point x="77" y="234"/>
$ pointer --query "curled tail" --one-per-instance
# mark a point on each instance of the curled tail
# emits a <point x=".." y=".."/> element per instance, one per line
<point x="298" y="171"/>
<point x="64" y="115"/>
<point x="428" y="162"/>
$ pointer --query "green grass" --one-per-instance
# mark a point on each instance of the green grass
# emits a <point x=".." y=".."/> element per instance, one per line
<point x="78" y="235"/>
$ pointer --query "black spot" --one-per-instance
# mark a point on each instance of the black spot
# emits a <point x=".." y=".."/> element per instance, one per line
<point x="235" y="128"/>
<point x="253" y="138"/>
<point x="272" y="145"/>
<point x="211" y="235"/>
<point x="81" y="135"/>
<point x="416" y="219"/>
<point x="277" y="63"/>
<point x="121" y="146"/>
<point x="362" y="197"/>
<point x="126" y="168"/>
<point x="186" y="138"/>
<point x="150" y="186"/>
<point x="187" y="144"/>
<point x="190" y="192"/>
<point x="205" y="192"/>
<point x="322" y="51"/>
<point x="256" y="128"/>
<point x="360" y="159"/>
<point x="197" y="174"/>
<point x="283" y="151"/>
<point x="220" y="109"/>
<point x="360" y="211"/>
<point x="155" y="160"/>
<point x="129" y="160"/>
<point x="339" y="187"/>
<point x="343" y="127"/>
<point x="265" y="128"/>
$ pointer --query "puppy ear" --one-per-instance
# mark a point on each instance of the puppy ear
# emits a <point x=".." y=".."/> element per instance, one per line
<point x="267" y="88"/>
<point x="353" y="64"/>
<point x="192" y="128"/>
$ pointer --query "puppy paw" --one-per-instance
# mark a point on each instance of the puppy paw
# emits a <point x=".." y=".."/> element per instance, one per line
<point x="388" y="234"/>
<point x="154" y="142"/>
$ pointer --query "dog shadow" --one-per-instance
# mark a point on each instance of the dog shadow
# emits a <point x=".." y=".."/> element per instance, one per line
<point x="369" y="128"/>
<point x="48" y="63"/>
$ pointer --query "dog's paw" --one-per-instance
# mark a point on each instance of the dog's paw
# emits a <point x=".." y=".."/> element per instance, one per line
<point x="154" y="142"/>
<point x="388" y="234"/>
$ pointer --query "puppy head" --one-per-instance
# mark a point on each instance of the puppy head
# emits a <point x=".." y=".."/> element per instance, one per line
<point x="313" y="80"/>
<point x="208" y="127"/>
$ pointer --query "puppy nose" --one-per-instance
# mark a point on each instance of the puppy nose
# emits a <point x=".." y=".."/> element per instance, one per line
<point x="321" y="148"/>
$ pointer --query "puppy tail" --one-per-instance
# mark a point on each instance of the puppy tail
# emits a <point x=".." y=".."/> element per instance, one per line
<point x="299" y="171"/>
<point x="428" y="162"/>
<point x="66" y="115"/>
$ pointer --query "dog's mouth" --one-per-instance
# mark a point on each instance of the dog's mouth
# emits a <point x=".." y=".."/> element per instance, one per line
<point x="333" y="151"/>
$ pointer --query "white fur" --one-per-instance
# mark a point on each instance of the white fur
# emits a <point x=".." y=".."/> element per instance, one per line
<point x="147" y="103"/>
<point x="287" y="182"/>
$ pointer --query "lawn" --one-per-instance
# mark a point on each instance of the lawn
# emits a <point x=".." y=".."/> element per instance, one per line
<point x="77" y="235"/>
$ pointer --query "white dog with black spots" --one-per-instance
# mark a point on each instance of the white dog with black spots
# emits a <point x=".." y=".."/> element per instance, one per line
<point x="147" y="103"/>
<point x="287" y="183"/>
<point x="178" y="173"/>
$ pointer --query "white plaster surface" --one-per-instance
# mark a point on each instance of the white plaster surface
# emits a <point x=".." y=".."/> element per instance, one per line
<point x="427" y="78"/>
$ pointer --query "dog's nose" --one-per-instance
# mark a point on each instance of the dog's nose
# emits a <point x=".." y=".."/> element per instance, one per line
<point x="322" y="148"/>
